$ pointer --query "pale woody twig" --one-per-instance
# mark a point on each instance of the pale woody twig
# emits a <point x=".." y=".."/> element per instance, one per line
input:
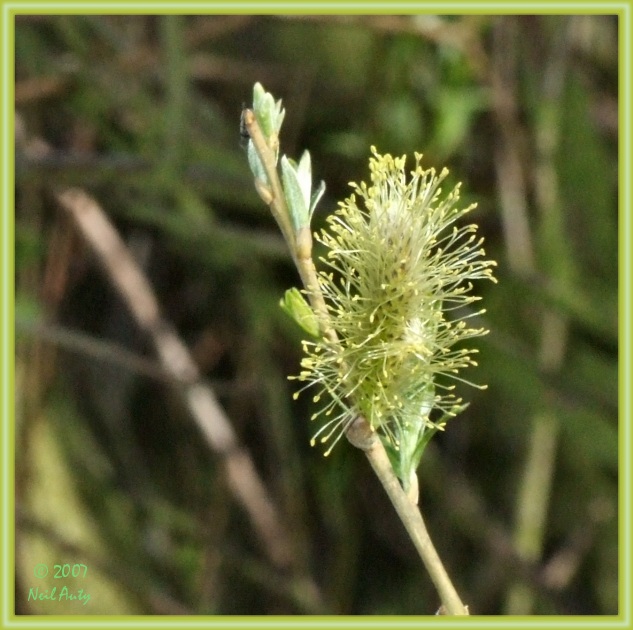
<point x="360" y="433"/>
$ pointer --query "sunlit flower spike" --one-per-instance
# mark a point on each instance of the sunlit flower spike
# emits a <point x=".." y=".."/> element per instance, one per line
<point x="398" y="263"/>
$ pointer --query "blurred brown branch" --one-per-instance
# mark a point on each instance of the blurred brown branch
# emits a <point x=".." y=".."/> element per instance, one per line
<point x="130" y="282"/>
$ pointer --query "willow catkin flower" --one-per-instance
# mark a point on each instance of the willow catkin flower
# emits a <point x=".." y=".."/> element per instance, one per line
<point x="399" y="272"/>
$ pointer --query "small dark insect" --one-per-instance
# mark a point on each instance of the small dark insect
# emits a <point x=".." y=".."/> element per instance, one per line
<point x="244" y="135"/>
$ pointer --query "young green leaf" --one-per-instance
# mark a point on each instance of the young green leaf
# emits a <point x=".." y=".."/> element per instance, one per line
<point x="295" y="305"/>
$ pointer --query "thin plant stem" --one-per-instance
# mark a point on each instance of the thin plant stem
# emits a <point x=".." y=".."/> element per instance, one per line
<point x="361" y="436"/>
<point x="360" y="433"/>
<point x="534" y="494"/>
<point x="272" y="195"/>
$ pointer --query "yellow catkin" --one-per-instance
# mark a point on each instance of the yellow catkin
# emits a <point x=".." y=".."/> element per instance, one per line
<point x="397" y="257"/>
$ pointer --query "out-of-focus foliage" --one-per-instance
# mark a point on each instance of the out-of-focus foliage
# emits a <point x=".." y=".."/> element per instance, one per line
<point x="143" y="112"/>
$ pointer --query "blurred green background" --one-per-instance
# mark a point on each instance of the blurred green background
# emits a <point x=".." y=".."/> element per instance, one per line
<point x="142" y="112"/>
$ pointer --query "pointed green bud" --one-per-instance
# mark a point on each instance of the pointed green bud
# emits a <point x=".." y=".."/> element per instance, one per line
<point x="296" y="306"/>
<point x="269" y="113"/>
<point x="255" y="163"/>
<point x="294" y="191"/>
<point x="297" y="181"/>
<point x="316" y="197"/>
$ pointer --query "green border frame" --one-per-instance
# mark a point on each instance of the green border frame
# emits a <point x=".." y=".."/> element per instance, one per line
<point x="7" y="298"/>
